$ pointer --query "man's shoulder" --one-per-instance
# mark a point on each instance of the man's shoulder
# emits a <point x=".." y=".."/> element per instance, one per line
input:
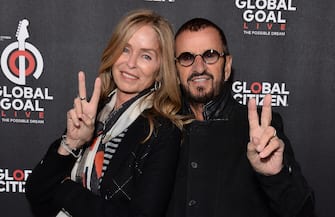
<point x="237" y="109"/>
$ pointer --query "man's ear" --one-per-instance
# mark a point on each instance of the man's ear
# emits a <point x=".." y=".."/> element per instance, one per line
<point x="227" y="69"/>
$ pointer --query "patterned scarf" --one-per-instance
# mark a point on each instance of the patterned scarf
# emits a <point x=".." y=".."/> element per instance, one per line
<point x="88" y="169"/>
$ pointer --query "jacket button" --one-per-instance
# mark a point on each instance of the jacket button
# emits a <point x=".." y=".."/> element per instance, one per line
<point x="194" y="165"/>
<point x="192" y="203"/>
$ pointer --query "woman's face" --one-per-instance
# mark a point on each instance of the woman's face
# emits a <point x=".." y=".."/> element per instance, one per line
<point x="139" y="63"/>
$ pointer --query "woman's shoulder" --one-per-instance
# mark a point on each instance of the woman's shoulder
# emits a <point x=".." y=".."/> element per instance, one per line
<point x="163" y="136"/>
<point x="159" y="120"/>
<point x="157" y="124"/>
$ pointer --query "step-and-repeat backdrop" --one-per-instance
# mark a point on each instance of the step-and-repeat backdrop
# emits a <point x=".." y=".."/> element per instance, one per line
<point x="283" y="47"/>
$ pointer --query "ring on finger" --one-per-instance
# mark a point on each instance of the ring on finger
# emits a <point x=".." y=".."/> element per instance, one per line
<point x="82" y="98"/>
<point x="274" y="135"/>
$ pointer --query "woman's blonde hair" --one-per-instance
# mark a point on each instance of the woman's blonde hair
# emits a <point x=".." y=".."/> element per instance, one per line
<point x="167" y="98"/>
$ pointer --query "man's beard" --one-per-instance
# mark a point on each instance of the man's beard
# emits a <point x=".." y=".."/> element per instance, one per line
<point x="202" y="97"/>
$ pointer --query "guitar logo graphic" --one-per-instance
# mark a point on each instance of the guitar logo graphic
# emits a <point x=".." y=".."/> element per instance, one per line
<point x="21" y="59"/>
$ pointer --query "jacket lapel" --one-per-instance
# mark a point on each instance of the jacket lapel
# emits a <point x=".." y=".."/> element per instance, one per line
<point x="120" y="160"/>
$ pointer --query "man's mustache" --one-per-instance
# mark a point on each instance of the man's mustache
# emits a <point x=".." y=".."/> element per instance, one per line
<point x="196" y="74"/>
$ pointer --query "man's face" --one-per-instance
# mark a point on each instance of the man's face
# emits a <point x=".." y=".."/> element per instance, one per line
<point x="201" y="81"/>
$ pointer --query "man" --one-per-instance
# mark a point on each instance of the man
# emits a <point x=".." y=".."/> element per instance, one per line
<point x="234" y="161"/>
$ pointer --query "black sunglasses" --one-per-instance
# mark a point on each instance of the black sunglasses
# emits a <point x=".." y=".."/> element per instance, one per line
<point x="209" y="57"/>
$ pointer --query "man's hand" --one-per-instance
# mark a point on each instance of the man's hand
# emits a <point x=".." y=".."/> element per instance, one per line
<point x="265" y="149"/>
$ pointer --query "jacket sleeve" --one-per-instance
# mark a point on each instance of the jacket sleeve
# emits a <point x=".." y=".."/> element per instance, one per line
<point x="44" y="179"/>
<point x="288" y="191"/>
<point x="151" y="192"/>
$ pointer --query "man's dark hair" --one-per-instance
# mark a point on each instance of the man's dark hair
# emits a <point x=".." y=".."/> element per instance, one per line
<point x="197" y="24"/>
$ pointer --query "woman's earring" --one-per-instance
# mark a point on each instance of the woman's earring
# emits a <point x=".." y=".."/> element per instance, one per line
<point x="158" y="85"/>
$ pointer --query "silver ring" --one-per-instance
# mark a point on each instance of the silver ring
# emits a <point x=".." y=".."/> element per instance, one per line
<point x="274" y="136"/>
<point x="82" y="98"/>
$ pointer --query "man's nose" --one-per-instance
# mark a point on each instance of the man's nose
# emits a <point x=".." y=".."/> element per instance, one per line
<point x="199" y="64"/>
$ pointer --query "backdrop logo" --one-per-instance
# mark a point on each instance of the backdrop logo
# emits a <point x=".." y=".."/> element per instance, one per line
<point x="265" y="17"/>
<point x="20" y="59"/>
<point x="12" y="181"/>
<point x="22" y="52"/>
<point x="243" y="91"/>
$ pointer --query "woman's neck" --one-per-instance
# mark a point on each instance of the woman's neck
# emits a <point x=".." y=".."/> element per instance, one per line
<point x="121" y="98"/>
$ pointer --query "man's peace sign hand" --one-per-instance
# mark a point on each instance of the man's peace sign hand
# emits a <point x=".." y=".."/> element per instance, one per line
<point x="265" y="149"/>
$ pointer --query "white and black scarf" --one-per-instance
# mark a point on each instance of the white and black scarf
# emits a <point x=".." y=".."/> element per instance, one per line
<point x="110" y="124"/>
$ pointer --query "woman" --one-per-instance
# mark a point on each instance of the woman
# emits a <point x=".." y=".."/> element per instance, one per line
<point x="130" y="147"/>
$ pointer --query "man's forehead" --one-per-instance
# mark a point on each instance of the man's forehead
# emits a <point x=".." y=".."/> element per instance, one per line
<point x="198" y="41"/>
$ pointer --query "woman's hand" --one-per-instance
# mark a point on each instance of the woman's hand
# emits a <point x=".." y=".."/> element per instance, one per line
<point x="81" y="118"/>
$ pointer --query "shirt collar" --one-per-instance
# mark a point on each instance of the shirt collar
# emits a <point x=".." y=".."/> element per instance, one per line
<point x="215" y="109"/>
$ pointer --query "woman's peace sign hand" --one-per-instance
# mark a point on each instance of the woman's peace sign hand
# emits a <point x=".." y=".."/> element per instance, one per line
<point x="81" y="118"/>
